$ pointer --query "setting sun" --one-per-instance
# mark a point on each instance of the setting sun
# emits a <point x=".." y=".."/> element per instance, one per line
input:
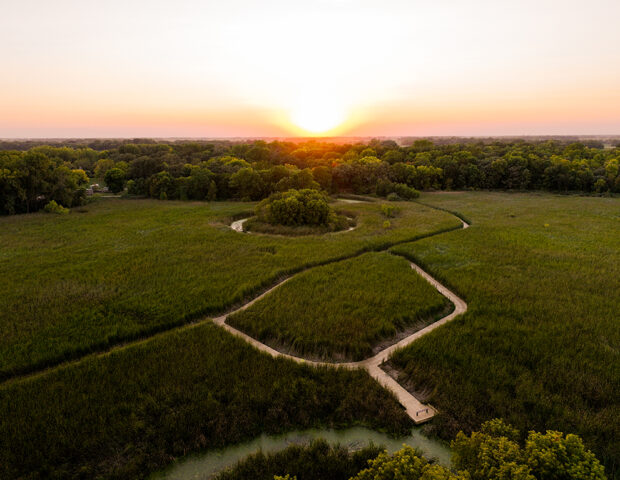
<point x="317" y="117"/>
<point x="313" y="67"/>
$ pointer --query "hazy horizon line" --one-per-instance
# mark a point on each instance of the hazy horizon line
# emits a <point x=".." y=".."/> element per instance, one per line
<point x="318" y="137"/>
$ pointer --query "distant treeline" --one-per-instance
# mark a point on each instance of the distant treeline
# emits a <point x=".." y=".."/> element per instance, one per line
<point x="252" y="171"/>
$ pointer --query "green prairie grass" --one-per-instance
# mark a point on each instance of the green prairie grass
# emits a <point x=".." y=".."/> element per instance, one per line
<point x="118" y="270"/>
<point x="342" y="310"/>
<point x="539" y="345"/>
<point x="131" y="411"/>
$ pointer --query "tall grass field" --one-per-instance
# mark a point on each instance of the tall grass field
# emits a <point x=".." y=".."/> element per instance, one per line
<point x="125" y="288"/>
<point x="539" y="345"/>
<point x="342" y="311"/>
<point x="132" y="411"/>
<point x="124" y="269"/>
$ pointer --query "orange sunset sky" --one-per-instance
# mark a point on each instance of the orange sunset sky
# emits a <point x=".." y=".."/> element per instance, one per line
<point x="308" y="67"/>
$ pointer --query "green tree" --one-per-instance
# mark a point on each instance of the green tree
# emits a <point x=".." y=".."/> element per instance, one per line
<point x="102" y="166"/>
<point x="248" y="184"/>
<point x="555" y="456"/>
<point x="115" y="180"/>
<point x="495" y="453"/>
<point x="323" y="176"/>
<point x="295" y="208"/>
<point x="406" y="464"/>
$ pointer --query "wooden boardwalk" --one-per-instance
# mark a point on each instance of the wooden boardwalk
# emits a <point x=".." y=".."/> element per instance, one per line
<point x="416" y="410"/>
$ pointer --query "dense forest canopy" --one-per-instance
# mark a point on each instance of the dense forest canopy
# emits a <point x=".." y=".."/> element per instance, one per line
<point x="29" y="179"/>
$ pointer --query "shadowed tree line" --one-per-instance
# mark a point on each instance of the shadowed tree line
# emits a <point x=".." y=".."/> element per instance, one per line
<point x="254" y="170"/>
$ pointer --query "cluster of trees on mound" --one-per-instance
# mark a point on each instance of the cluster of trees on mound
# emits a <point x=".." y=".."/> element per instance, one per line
<point x="494" y="453"/>
<point x="295" y="208"/>
<point x="255" y="170"/>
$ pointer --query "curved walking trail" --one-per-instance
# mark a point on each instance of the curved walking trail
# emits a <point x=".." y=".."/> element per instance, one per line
<point x="415" y="409"/>
<point x="418" y="411"/>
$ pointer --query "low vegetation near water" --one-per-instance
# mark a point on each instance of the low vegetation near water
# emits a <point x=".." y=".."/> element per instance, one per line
<point x="122" y="269"/>
<point x="539" y="343"/>
<point x="497" y="452"/>
<point x="319" y="460"/>
<point x="129" y="412"/>
<point x="342" y="310"/>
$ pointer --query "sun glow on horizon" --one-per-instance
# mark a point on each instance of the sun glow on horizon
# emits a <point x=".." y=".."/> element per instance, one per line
<point x="312" y="67"/>
<point x="317" y="115"/>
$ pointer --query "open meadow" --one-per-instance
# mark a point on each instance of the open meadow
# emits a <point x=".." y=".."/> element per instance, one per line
<point x="539" y="344"/>
<point x="124" y="269"/>
<point x="341" y="311"/>
<point x="310" y="240"/>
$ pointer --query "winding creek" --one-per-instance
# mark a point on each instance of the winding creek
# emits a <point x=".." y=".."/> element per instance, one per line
<point x="205" y="465"/>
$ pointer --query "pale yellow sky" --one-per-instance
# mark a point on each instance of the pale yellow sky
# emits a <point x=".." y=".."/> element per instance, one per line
<point x="284" y="67"/>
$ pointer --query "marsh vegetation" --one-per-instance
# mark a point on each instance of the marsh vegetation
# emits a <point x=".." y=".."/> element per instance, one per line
<point x="539" y="343"/>
<point x="124" y="269"/>
<point x="343" y="310"/>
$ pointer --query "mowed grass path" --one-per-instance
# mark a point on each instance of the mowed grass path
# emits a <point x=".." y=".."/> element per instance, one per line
<point x="128" y="268"/>
<point x="342" y="310"/>
<point x="540" y="343"/>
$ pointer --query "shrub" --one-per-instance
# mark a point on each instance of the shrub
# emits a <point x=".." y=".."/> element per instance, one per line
<point x="394" y="191"/>
<point x="295" y="208"/>
<point x="53" y="207"/>
<point x="404" y="464"/>
<point x="406" y="192"/>
<point x="491" y="455"/>
<point x="390" y="211"/>
<point x="393" y="197"/>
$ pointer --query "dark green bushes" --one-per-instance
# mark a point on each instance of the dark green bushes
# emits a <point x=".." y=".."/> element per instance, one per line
<point x="53" y="207"/>
<point x="497" y="452"/>
<point x="396" y="191"/>
<point x="319" y="460"/>
<point x="494" y="453"/>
